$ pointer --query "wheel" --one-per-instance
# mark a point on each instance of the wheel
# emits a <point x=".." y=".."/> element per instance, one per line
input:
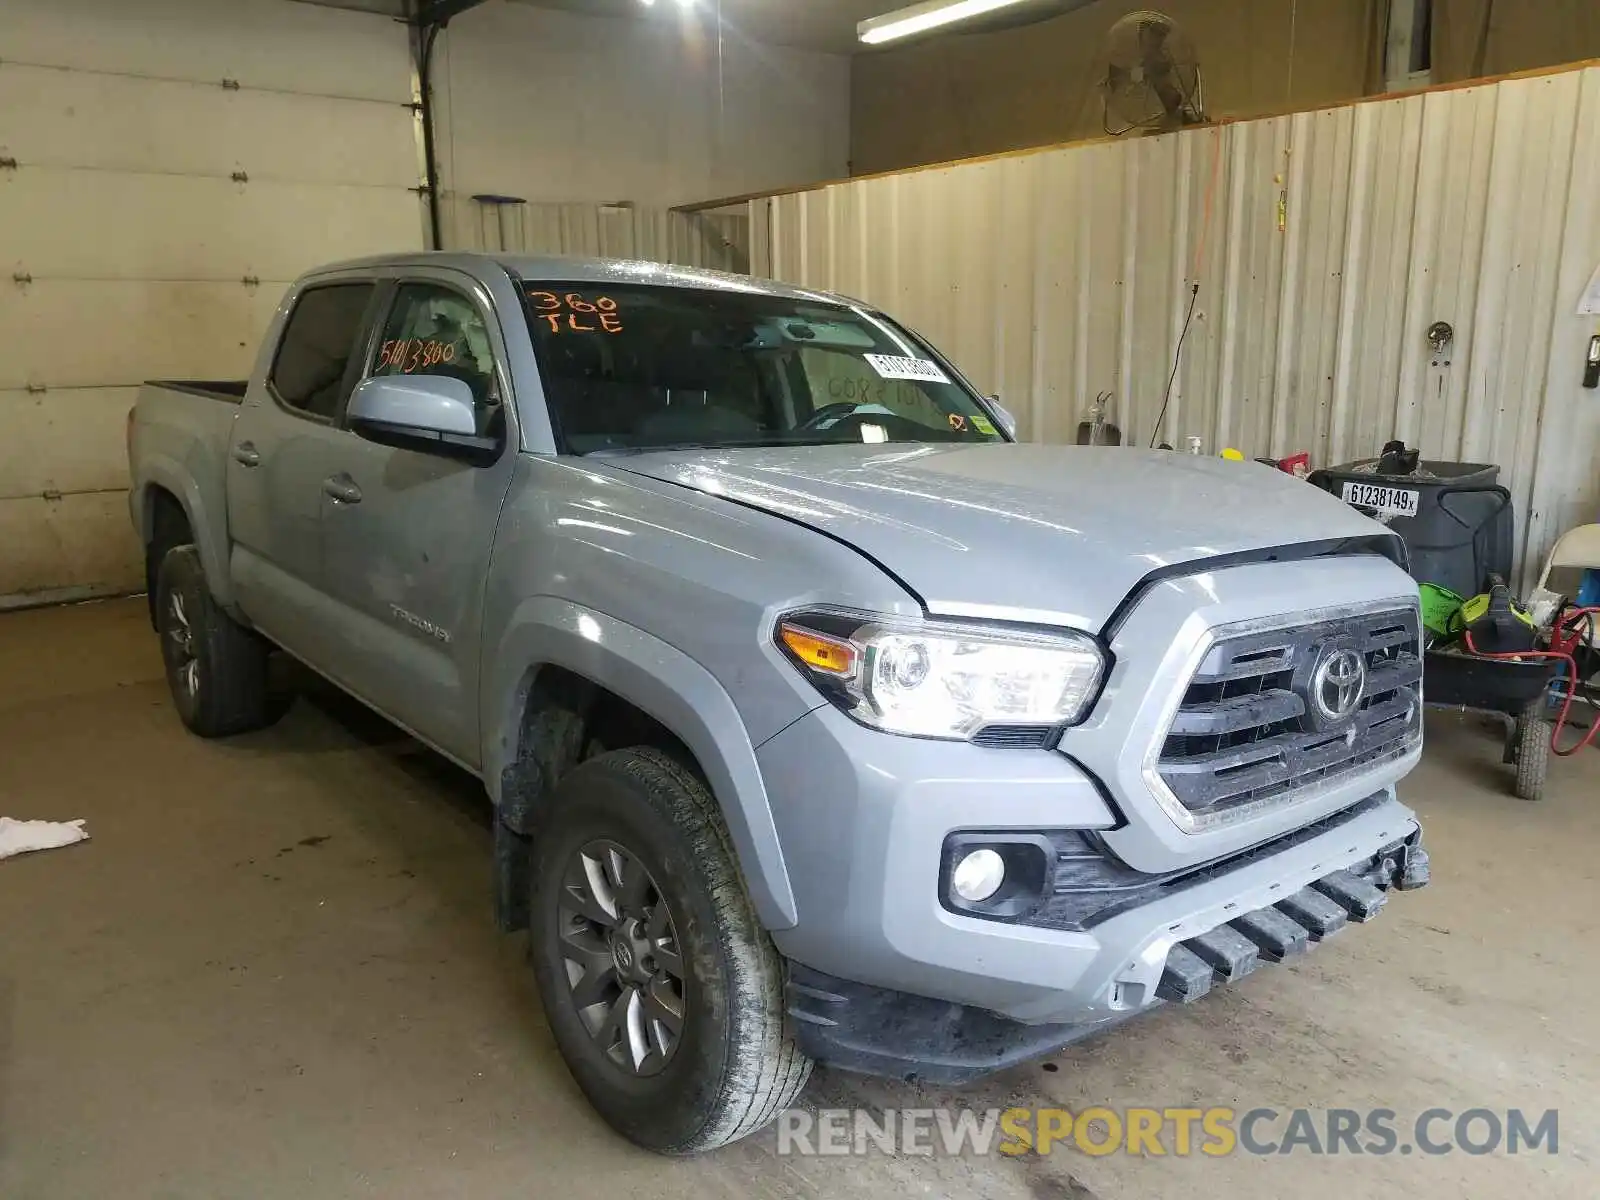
<point x="1533" y="754"/>
<point x="216" y="668"/>
<point x="663" y="992"/>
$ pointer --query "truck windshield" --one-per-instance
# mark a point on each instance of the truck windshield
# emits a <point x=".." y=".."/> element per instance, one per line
<point x="629" y="367"/>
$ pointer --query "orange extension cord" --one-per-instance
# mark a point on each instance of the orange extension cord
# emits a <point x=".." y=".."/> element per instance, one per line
<point x="1564" y="642"/>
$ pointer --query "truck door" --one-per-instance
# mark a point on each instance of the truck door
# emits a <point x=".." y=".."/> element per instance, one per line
<point x="279" y="456"/>
<point x="407" y="536"/>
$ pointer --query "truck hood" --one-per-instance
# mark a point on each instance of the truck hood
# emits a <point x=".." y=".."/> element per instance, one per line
<point x="1058" y="534"/>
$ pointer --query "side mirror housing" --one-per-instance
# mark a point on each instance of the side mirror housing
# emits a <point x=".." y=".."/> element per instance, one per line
<point x="431" y="414"/>
<point x="1008" y="421"/>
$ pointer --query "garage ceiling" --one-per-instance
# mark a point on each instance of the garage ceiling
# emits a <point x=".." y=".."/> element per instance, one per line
<point x="815" y="24"/>
<point x="388" y="8"/>
<point x="828" y="25"/>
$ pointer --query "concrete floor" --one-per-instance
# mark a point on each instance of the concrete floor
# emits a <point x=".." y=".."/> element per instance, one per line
<point x="272" y="973"/>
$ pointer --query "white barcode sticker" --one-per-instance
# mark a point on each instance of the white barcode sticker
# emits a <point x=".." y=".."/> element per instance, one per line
<point x="890" y="367"/>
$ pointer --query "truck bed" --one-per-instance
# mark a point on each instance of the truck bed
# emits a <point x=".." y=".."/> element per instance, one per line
<point x="229" y="391"/>
<point x="178" y="444"/>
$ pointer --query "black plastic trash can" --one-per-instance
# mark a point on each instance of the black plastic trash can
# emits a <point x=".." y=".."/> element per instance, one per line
<point x="1463" y="529"/>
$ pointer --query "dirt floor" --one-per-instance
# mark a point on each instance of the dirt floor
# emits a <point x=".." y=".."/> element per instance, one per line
<point x="272" y="973"/>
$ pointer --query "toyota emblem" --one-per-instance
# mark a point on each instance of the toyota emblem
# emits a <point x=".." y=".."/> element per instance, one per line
<point x="1338" y="685"/>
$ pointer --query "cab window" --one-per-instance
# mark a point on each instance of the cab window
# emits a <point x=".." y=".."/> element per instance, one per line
<point x="835" y="378"/>
<point x="308" y="372"/>
<point x="644" y="366"/>
<point x="434" y="330"/>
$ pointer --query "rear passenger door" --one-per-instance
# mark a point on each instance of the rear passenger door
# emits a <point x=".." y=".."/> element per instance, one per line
<point x="283" y="441"/>
<point x="406" y="550"/>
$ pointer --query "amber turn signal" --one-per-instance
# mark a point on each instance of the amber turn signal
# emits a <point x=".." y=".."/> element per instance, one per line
<point x="818" y="652"/>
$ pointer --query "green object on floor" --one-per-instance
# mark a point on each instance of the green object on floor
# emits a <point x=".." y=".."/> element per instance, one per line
<point x="1439" y="606"/>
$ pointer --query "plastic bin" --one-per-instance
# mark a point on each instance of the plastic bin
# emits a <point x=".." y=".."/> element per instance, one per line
<point x="1464" y="529"/>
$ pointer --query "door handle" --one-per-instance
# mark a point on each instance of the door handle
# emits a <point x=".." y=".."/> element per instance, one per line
<point x="247" y="454"/>
<point x="342" y="488"/>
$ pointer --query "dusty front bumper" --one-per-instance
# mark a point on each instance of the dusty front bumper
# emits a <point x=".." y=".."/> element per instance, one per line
<point x="1294" y="924"/>
<point x="879" y="1031"/>
<point x="864" y="818"/>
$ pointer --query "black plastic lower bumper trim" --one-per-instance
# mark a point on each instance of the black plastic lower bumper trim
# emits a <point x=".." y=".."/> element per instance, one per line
<point x="876" y="1031"/>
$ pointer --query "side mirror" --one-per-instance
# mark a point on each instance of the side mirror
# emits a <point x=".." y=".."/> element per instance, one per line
<point x="1008" y="422"/>
<point x="431" y="414"/>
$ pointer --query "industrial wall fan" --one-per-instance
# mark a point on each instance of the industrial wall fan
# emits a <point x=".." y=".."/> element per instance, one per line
<point x="1152" y="79"/>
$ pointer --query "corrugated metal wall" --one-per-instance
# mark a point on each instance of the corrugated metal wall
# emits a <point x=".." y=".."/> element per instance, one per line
<point x="717" y="240"/>
<point x="1325" y="245"/>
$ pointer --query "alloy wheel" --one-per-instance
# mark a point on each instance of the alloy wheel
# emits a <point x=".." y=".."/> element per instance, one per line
<point x="624" y="965"/>
<point x="183" y="655"/>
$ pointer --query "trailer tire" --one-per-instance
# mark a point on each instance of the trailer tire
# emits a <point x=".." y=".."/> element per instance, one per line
<point x="1533" y="754"/>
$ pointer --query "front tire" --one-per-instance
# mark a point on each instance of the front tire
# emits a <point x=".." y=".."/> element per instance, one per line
<point x="216" y="668"/>
<point x="663" y="992"/>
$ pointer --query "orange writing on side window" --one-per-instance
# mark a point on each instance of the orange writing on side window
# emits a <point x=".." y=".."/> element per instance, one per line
<point x="411" y="356"/>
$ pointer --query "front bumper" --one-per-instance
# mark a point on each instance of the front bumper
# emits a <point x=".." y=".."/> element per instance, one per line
<point x="863" y="817"/>
<point x="882" y="1032"/>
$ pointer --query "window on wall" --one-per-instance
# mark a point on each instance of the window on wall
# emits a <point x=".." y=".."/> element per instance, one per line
<point x="1409" y="54"/>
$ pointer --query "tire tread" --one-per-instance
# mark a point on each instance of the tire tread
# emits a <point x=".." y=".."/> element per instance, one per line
<point x="1533" y="756"/>
<point x="234" y="695"/>
<point x="762" y="1069"/>
<point x="767" y="1071"/>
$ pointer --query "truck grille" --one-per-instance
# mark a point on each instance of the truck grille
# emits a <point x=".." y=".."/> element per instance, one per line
<point x="1269" y="713"/>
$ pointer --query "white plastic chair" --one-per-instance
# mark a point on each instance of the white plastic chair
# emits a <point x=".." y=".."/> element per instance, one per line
<point x="1578" y="548"/>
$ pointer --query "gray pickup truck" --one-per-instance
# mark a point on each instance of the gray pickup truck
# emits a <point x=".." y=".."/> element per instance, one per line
<point x="823" y="721"/>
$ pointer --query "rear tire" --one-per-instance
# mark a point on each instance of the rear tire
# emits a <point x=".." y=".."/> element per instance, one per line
<point x="216" y="668"/>
<point x="731" y="1066"/>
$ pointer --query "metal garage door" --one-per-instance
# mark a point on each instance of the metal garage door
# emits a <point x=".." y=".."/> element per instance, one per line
<point x="166" y="168"/>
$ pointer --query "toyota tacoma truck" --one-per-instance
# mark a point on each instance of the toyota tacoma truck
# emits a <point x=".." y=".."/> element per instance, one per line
<point x="823" y="721"/>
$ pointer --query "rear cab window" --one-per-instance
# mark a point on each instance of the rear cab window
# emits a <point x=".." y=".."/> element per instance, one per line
<point x="311" y="371"/>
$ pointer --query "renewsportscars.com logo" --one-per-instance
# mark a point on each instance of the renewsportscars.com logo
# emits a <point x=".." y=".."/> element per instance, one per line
<point x="1158" y="1132"/>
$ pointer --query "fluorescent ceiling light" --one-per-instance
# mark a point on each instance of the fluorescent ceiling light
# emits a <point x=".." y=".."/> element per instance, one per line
<point x="920" y="18"/>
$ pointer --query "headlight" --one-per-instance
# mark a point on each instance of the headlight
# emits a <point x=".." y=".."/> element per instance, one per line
<point x="944" y="680"/>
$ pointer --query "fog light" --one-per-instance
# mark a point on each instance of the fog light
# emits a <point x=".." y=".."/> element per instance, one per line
<point x="978" y="876"/>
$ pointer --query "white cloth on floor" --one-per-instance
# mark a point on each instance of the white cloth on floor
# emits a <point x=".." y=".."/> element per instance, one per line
<point x="19" y="837"/>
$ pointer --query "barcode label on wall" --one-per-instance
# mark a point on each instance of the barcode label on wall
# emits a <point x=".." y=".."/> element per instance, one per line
<point x="891" y="367"/>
